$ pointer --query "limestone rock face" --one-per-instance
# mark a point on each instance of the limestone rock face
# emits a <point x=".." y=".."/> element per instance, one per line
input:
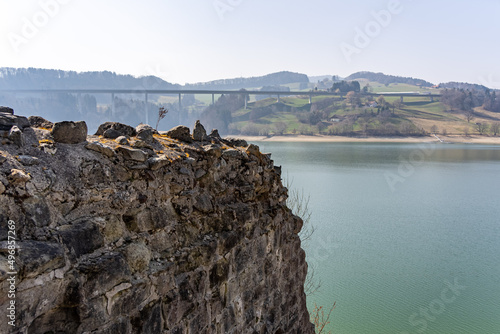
<point x="176" y="237"/>
<point x="68" y="132"/>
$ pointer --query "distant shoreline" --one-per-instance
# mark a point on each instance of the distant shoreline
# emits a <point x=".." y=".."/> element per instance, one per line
<point x="341" y="139"/>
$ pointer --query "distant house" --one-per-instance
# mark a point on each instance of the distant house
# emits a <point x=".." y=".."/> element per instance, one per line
<point x="334" y="120"/>
<point x="373" y="104"/>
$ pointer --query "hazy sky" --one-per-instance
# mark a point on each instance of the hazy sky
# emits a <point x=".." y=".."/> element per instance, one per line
<point x="201" y="40"/>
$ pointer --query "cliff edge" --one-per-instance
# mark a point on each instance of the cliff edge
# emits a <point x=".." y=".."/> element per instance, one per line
<point x="135" y="231"/>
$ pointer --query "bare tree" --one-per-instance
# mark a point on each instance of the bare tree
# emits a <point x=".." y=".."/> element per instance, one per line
<point x="469" y="114"/>
<point x="481" y="128"/>
<point x="495" y="127"/>
<point x="280" y="127"/>
<point x="434" y="129"/>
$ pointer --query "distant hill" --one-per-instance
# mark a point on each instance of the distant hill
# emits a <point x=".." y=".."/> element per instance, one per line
<point x="35" y="78"/>
<point x="463" y="85"/>
<point x="388" y="79"/>
<point x="273" y="79"/>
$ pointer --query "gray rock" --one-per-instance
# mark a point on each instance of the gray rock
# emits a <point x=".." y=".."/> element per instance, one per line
<point x="123" y="129"/>
<point x="16" y="136"/>
<point x="122" y="140"/>
<point x="68" y="132"/>
<point x="235" y="142"/>
<point x="28" y="160"/>
<point x="101" y="148"/>
<point x="37" y="257"/>
<point x="214" y="134"/>
<point x="7" y="121"/>
<point x="40" y="122"/>
<point x="181" y="133"/>
<point x="2" y="159"/>
<point x="145" y="132"/>
<point x="199" y="132"/>
<point x="81" y="238"/>
<point x="7" y="110"/>
<point x="111" y="134"/>
<point x="158" y="162"/>
<point x="132" y="153"/>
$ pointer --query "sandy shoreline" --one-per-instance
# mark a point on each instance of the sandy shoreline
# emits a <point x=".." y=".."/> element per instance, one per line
<point x="340" y="139"/>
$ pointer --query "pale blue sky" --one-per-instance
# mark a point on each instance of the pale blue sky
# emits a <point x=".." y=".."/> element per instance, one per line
<point x="201" y="40"/>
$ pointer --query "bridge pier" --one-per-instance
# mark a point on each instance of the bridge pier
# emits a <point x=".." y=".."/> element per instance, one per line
<point x="432" y="98"/>
<point x="113" y="110"/>
<point x="213" y="99"/>
<point x="246" y="102"/>
<point x="180" y="103"/>
<point x="401" y="98"/>
<point x="310" y="98"/>
<point x="147" y="108"/>
<point x="279" y="99"/>
<point x="79" y="99"/>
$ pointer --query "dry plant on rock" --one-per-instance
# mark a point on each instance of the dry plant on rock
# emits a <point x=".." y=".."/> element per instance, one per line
<point x="162" y="112"/>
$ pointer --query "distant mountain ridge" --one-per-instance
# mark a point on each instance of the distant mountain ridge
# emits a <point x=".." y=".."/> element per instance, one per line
<point x="35" y="78"/>
<point x="388" y="79"/>
<point x="273" y="79"/>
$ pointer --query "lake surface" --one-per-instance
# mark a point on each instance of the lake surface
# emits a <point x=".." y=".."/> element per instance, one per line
<point x="407" y="236"/>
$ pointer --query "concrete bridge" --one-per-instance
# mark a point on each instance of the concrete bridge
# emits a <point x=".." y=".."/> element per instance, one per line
<point x="148" y="92"/>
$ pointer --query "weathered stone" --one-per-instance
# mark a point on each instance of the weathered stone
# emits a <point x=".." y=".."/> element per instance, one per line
<point x="214" y="134"/>
<point x="236" y="142"/>
<point x="158" y="162"/>
<point x="145" y="132"/>
<point x="2" y="159"/>
<point x="16" y="136"/>
<point x="122" y="140"/>
<point x="253" y="150"/>
<point x="8" y="120"/>
<point x="37" y="257"/>
<point x="181" y="133"/>
<point x="81" y="238"/>
<point x="40" y="122"/>
<point x="28" y="160"/>
<point x="132" y="153"/>
<point x="111" y="133"/>
<point x="199" y="132"/>
<point x="68" y="132"/>
<point x="7" y="110"/>
<point x="18" y="177"/>
<point x="123" y="129"/>
<point x="2" y="188"/>
<point x="101" y="148"/>
<point x="138" y="256"/>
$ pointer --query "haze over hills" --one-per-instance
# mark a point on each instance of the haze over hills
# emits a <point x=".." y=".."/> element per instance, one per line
<point x="345" y="114"/>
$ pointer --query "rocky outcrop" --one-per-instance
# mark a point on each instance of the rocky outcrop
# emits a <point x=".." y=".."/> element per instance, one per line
<point x="163" y="236"/>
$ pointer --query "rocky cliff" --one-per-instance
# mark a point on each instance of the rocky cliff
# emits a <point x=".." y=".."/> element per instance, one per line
<point x="134" y="231"/>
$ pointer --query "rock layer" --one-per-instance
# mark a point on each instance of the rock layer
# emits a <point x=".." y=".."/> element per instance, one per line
<point x="157" y="237"/>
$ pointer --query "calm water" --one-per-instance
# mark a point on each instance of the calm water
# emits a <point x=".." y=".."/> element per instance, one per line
<point x="407" y="235"/>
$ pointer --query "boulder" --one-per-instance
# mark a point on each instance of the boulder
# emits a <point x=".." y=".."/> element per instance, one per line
<point x="123" y="129"/>
<point x="7" y="121"/>
<point x="214" y="134"/>
<point x="111" y="133"/>
<point x="16" y="136"/>
<point x="40" y="122"/>
<point x="181" y="133"/>
<point x="7" y="110"/>
<point x="101" y="148"/>
<point x="145" y="132"/>
<point x="132" y="153"/>
<point x="199" y="132"/>
<point x="122" y="140"/>
<point x="68" y="132"/>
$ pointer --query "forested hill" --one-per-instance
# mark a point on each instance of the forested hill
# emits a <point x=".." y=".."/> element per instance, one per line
<point x="35" y="78"/>
<point x="463" y="85"/>
<point x="273" y="79"/>
<point x="388" y="79"/>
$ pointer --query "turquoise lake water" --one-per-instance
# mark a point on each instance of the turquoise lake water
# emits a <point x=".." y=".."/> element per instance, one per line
<point x="407" y="236"/>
